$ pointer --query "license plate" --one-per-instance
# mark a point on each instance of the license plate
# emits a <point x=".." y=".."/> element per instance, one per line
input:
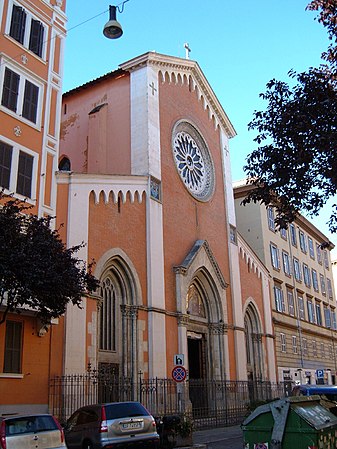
<point x="131" y="425"/>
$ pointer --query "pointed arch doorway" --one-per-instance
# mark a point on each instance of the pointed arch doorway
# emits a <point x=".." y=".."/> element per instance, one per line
<point x="202" y="318"/>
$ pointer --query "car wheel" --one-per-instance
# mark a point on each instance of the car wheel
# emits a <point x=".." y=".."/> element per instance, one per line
<point x="87" y="445"/>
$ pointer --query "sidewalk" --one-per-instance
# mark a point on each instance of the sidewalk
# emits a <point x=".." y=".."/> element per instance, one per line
<point x="222" y="437"/>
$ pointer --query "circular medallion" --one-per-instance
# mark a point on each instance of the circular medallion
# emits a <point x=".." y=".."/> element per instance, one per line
<point x="193" y="161"/>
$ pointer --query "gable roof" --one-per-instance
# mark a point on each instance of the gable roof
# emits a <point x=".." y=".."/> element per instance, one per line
<point x="186" y="71"/>
<point x="176" y="69"/>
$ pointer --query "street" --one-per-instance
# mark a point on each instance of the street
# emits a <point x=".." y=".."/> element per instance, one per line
<point x="222" y="438"/>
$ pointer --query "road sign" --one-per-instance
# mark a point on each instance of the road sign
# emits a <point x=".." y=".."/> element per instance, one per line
<point x="178" y="360"/>
<point x="320" y="373"/>
<point x="179" y="373"/>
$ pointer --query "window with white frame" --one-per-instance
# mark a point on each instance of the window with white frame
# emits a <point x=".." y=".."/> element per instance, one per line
<point x="311" y="248"/>
<point x="318" y="313"/>
<point x="275" y="256"/>
<point x="283" y="342"/>
<point x="300" y="301"/>
<point x="326" y="259"/>
<point x="286" y="263"/>
<point x="294" y="344"/>
<point x="303" y="241"/>
<point x="329" y="285"/>
<point x="283" y="233"/>
<point x="27" y="29"/>
<point x="314" y="348"/>
<point x="290" y="297"/>
<point x="322" y="279"/>
<point x="330" y="352"/>
<point x="314" y="279"/>
<point x="20" y="95"/>
<point x="319" y="253"/>
<point x="18" y="167"/>
<point x="297" y="269"/>
<point x="305" y="347"/>
<point x="279" y="299"/>
<point x="293" y="236"/>
<point x="306" y="275"/>
<point x="333" y="320"/>
<point x="327" y="316"/>
<point x="271" y="218"/>
<point x="311" y="311"/>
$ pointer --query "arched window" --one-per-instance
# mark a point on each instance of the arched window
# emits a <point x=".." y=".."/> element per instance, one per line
<point x="64" y="164"/>
<point x="108" y="339"/>
<point x="254" y="347"/>
<point x="117" y="318"/>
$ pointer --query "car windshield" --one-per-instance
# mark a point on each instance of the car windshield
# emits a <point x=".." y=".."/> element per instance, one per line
<point x="124" y="410"/>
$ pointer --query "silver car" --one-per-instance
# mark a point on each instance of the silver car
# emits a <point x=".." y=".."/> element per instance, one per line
<point x="113" y="425"/>
<point x="31" y="432"/>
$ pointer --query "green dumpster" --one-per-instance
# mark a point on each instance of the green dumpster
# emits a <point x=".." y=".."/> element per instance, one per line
<point x="291" y="423"/>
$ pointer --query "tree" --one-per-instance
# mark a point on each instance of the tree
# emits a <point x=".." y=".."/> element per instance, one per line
<point x="37" y="271"/>
<point x="295" y="165"/>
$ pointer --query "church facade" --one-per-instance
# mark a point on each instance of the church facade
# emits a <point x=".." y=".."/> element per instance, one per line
<point x="145" y="181"/>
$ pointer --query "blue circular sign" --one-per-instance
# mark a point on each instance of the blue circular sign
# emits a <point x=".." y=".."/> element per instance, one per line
<point x="179" y="373"/>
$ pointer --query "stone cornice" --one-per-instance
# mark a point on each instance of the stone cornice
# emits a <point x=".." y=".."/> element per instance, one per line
<point x="114" y="186"/>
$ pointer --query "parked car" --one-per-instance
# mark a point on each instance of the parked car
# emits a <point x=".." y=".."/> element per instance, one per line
<point x="31" y="432"/>
<point x="113" y="425"/>
<point x="329" y="391"/>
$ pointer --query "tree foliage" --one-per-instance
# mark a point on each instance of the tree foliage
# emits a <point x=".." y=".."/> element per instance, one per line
<point x="37" y="272"/>
<point x="295" y="165"/>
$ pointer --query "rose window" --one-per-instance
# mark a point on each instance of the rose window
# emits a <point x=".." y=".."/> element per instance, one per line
<point x="189" y="162"/>
<point x="193" y="161"/>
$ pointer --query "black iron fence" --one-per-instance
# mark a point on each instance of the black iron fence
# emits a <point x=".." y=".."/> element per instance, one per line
<point x="211" y="403"/>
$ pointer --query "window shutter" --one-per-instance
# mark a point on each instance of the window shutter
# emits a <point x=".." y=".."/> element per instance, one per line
<point x="29" y="110"/>
<point x="25" y="174"/>
<point x="10" y="90"/>
<point x="36" y="37"/>
<point x="18" y="24"/>
<point x="5" y="164"/>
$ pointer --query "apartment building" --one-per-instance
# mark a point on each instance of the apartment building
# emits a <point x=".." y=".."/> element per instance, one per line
<point x="302" y="291"/>
<point x="31" y="64"/>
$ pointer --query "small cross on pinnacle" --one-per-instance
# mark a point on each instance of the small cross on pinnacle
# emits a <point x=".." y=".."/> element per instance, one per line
<point x="188" y="50"/>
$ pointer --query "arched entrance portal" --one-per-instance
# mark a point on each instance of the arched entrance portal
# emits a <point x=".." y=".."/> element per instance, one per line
<point x="205" y="339"/>
<point x="202" y="319"/>
<point x="202" y="314"/>
<point x="254" y="348"/>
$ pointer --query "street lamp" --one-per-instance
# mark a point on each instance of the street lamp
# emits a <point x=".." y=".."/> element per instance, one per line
<point x="113" y="29"/>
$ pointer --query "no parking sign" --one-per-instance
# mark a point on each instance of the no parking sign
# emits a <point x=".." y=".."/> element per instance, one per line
<point x="179" y="373"/>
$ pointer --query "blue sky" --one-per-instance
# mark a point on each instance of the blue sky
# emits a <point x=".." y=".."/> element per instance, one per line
<point x="240" y="45"/>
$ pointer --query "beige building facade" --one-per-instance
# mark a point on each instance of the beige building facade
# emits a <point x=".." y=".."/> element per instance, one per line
<point x="302" y="293"/>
